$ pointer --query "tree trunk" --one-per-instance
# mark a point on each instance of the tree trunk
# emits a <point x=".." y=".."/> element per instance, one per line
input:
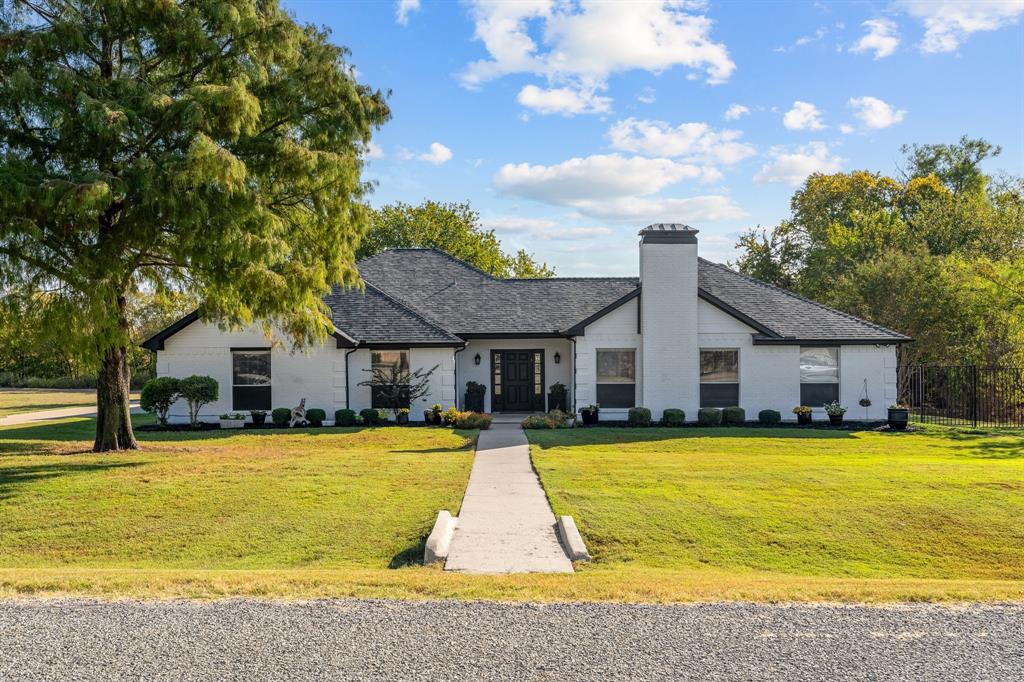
<point x="113" y="418"/>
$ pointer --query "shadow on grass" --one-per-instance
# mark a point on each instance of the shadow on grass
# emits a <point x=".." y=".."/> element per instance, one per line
<point x="410" y="556"/>
<point x="993" y="449"/>
<point x="610" y="435"/>
<point x="11" y="477"/>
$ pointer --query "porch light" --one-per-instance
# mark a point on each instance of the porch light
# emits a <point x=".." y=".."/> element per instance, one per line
<point x="476" y="359"/>
<point x="558" y="357"/>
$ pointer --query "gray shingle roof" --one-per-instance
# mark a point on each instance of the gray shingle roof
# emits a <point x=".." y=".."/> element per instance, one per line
<point x="371" y="316"/>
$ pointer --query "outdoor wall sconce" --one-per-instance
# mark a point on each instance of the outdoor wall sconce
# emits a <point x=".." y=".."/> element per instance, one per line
<point x="558" y="358"/>
<point x="476" y="359"/>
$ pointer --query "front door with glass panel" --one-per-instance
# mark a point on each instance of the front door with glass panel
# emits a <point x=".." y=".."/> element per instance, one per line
<point x="517" y="380"/>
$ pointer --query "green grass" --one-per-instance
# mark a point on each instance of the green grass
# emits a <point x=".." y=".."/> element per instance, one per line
<point x="786" y="502"/>
<point x="18" y="400"/>
<point x="226" y="500"/>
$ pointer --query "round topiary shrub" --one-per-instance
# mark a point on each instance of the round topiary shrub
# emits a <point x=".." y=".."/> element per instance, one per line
<point x="769" y="417"/>
<point x="639" y="416"/>
<point x="733" y="415"/>
<point x="158" y="395"/>
<point x="281" y="416"/>
<point x="709" y="416"/>
<point x="371" y="417"/>
<point x="198" y="390"/>
<point x="316" y="416"/>
<point x="344" y="417"/>
<point x="673" y="417"/>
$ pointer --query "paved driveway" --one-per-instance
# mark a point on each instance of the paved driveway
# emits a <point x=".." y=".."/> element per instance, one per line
<point x="376" y="640"/>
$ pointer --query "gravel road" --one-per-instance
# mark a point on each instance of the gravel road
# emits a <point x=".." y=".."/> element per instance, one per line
<point x="367" y="640"/>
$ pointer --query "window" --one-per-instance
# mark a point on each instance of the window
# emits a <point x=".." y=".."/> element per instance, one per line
<point x="250" y="379"/>
<point x="388" y="361"/>
<point x="719" y="378"/>
<point x="616" y="377"/>
<point x="819" y="376"/>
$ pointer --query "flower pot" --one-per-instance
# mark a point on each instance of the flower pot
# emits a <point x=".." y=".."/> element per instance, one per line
<point x="231" y="423"/>
<point x="259" y="419"/>
<point x="428" y="418"/>
<point x="474" y="402"/>
<point x="835" y="419"/>
<point x="558" y="401"/>
<point x="589" y="417"/>
<point x="402" y="419"/>
<point x="898" y="418"/>
<point x="803" y="419"/>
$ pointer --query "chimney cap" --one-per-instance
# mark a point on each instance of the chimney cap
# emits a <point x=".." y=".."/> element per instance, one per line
<point x="668" y="233"/>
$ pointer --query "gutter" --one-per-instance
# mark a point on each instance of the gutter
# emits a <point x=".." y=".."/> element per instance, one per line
<point x="348" y="406"/>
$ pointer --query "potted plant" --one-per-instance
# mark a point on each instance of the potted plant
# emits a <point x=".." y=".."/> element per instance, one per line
<point x="475" y="396"/>
<point x="899" y="415"/>
<point x="803" y="414"/>
<point x="589" y="414"/>
<point x="558" y="397"/>
<point x="234" y="420"/>
<point x="403" y="416"/>
<point x="433" y="417"/>
<point x="835" y="413"/>
<point x="259" y="417"/>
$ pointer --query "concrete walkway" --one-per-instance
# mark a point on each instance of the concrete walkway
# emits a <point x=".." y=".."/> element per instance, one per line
<point x="59" y="413"/>
<point x="506" y="524"/>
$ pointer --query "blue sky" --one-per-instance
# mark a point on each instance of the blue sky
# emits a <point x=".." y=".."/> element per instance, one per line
<point x="571" y="125"/>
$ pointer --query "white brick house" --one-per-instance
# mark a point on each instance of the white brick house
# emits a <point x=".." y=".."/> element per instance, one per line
<point x="687" y="333"/>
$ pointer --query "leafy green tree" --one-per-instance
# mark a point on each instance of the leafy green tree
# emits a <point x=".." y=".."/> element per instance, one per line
<point x="213" y="147"/>
<point x="449" y="227"/>
<point x="957" y="166"/>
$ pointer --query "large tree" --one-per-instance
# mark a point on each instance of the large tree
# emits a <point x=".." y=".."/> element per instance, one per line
<point x="208" y="146"/>
<point x="453" y="228"/>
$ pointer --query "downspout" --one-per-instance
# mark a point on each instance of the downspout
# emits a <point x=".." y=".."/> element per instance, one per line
<point x="572" y="340"/>
<point x="456" y="359"/>
<point x="348" y="406"/>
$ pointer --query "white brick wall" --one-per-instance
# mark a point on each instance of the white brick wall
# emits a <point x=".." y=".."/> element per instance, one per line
<point x="617" y="329"/>
<point x="470" y="371"/>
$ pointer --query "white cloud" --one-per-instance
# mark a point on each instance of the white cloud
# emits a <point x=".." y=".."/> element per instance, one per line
<point x="583" y="44"/>
<point x="373" y="151"/>
<point x="565" y="101"/>
<point x="875" y="113"/>
<point x="437" y="155"/>
<point x="615" y="188"/>
<point x="793" y="166"/>
<point x="803" y="116"/>
<point x="846" y="129"/>
<point x="803" y="40"/>
<point x="736" y="111"/>
<point x="542" y="228"/>
<point x="694" y="142"/>
<point x="403" y="8"/>
<point x="947" y="23"/>
<point x="882" y="38"/>
<point x="646" y="96"/>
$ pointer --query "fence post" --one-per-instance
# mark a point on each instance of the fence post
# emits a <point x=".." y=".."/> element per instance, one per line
<point x="974" y="396"/>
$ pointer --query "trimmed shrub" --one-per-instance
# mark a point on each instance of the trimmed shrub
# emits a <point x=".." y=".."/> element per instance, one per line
<point x="198" y="391"/>
<point x="555" y="419"/>
<point x="344" y="417"/>
<point x="639" y="416"/>
<point x="733" y="415"/>
<point x="709" y="416"/>
<point x="449" y="416"/>
<point x="673" y="417"/>
<point x="371" y="417"/>
<point x="281" y="416"/>
<point x="473" y="420"/>
<point x="316" y="416"/>
<point x="769" y="417"/>
<point x="158" y="395"/>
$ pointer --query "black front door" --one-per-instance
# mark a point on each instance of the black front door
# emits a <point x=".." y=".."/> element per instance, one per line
<point x="517" y="376"/>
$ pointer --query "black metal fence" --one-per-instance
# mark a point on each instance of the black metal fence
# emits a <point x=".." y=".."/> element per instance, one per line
<point x="963" y="395"/>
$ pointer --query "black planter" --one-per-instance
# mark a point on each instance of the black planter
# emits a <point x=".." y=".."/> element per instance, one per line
<point x="428" y="417"/>
<point x="259" y="419"/>
<point x="558" y="401"/>
<point x="474" y="402"/>
<point x="803" y="419"/>
<point x="402" y="419"/>
<point x="589" y="417"/>
<point x="835" y="419"/>
<point x="898" y="418"/>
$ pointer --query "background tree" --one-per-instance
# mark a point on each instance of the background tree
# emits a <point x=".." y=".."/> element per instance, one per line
<point x="449" y="227"/>
<point x="937" y="255"/>
<point x="212" y="147"/>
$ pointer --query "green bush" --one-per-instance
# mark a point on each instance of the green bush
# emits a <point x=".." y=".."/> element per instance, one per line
<point x="281" y="416"/>
<point x="371" y="417"/>
<point x="344" y="417"/>
<point x="555" y="419"/>
<point x="709" y="416"/>
<point x="734" y="415"/>
<point x="769" y="417"/>
<point x="14" y="380"/>
<point x="158" y="395"/>
<point x="316" y="416"/>
<point x="673" y="417"/>
<point x="198" y="391"/>
<point x="639" y="416"/>
<point x="473" y="420"/>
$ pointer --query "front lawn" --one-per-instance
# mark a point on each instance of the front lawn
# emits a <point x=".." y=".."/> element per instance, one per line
<point x="787" y="504"/>
<point x="18" y="400"/>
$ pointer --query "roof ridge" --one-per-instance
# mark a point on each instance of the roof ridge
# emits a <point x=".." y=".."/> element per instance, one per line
<point x="570" y="279"/>
<point x="441" y="252"/>
<point x="791" y="294"/>
<point x="415" y="313"/>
